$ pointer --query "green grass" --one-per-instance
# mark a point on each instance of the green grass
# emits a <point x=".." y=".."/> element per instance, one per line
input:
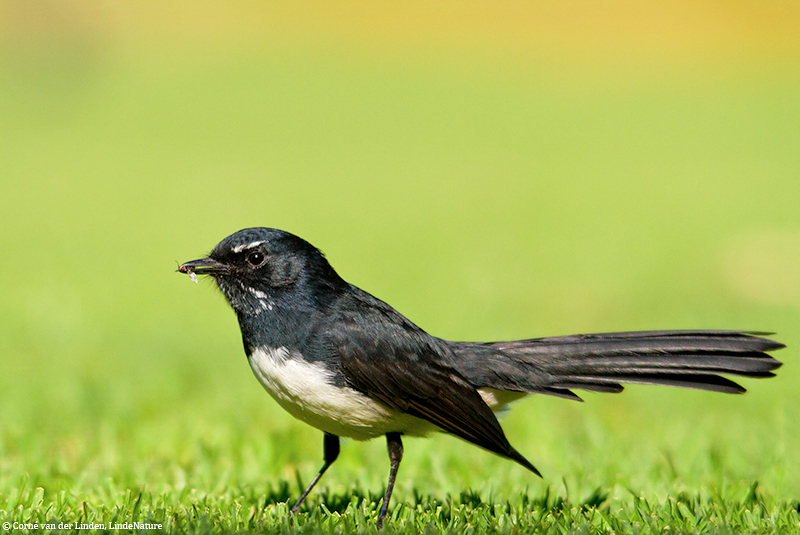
<point x="485" y="195"/>
<point x="243" y="511"/>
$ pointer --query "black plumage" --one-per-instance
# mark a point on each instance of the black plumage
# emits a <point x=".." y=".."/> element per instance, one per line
<point x="602" y="362"/>
<point x="348" y="363"/>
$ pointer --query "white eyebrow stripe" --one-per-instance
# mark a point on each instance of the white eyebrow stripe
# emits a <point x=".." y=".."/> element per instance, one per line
<point x="240" y="248"/>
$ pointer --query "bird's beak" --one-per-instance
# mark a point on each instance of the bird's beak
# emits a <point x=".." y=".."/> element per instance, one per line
<point x="203" y="266"/>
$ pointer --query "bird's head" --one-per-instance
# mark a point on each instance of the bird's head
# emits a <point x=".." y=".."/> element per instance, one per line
<point x="260" y="268"/>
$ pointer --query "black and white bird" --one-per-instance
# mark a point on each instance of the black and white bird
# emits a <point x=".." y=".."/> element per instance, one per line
<point x="350" y="365"/>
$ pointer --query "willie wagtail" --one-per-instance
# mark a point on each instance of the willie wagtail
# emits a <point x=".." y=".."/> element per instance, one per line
<point x="350" y="365"/>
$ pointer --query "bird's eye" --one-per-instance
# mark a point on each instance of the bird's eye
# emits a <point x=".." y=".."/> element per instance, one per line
<point x="255" y="259"/>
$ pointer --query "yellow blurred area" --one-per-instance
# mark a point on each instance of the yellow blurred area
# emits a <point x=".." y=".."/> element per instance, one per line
<point x="724" y="28"/>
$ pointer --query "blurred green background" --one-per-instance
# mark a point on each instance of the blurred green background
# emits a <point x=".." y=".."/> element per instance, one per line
<point x="494" y="171"/>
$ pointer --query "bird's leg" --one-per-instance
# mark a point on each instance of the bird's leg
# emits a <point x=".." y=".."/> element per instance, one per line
<point x="395" y="446"/>
<point x="331" y="452"/>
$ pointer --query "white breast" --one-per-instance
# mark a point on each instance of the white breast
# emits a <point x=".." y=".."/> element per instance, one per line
<point x="306" y="391"/>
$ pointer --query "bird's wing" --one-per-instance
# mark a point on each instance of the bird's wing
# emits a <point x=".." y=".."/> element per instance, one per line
<point x="391" y="360"/>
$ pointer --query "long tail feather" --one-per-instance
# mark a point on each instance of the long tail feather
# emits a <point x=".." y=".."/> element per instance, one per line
<point x="603" y="362"/>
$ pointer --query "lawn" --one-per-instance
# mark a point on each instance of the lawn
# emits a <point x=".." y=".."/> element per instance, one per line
<point x="524" y="172"/>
